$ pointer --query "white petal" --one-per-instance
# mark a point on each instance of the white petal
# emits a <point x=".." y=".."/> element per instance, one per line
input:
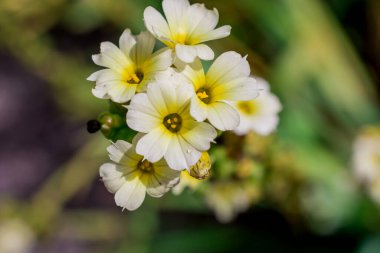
<point x="227" y="67"/>
<point x="154" y="144"/>
<point x="132" y="193"/>
<point x="245" y="125"/>
<point x="155" y="23"/>
<point x="127" y="41"/>
<point x="155" y="189"/>
<point x="94" y="76"/>
<point x="193" y="72"/>
<point x="269" y="103"/>
<point x="204" y="52"/>
<point x="241" y="89"/>
<point x="198" y="109"/>
<point x="180" y="154"/>
<point x="112" y="57"/>
<point x="121" y="92"/>
<point x="219" y="33"/>
<point x="186" y="53"/>
<point x="141" y="115"/>
<point x="223" y="116"/>
<point x="105" y="75"/>
<point x="111" y="177"/>
<point x="162" y="96"/>
<point x="165" y="174"/>
<point x="175" y="11"/>
<point x="160" y="60"/>
<point x="265" y="125"/>
<point x="200" y="136"/>
<point x="201" y="20"/>
<point x="100" y="92"/>
<point x="117" y="150"/>
<point x="143" y="48"/>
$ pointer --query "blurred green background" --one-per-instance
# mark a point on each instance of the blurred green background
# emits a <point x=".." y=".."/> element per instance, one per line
<point x="322" y="58"/>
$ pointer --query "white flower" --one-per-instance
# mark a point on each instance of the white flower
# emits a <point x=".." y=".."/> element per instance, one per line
<point x="227" y="199"/>
<point x="128" y="68"/>
<point x="16" y="237"/>
<point x="366" y="160"/>
<point x="261" y="114"/>
<point x="130" y="176"/>
<point x="163" y="113"/>
<point x="185" y="29"/>
<point x="227" y="80"/>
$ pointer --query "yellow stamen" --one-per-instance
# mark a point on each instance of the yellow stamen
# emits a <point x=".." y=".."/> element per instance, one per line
<point x="202" y="95"/>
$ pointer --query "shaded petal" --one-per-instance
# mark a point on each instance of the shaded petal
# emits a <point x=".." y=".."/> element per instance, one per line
<point x="141" y="115"/>
<point x="127" y="41"/>
<point x="143" y="49"/>
<point x="117" y="150"/>
<point x="180" y="154"/>
<point x="160" y="60"/>
<point x="112" y="177"/>
<point x="154" y="144"/>
<point x="223" y="116"/>
<point x="155" y="188"/>
<point x="131" y="195"/>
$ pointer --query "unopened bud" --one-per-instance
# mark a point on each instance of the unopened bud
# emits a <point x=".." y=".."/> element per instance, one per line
<point x="201" y="170"/>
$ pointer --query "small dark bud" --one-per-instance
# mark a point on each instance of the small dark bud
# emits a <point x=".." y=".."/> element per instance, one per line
<point x="93" y="126"/>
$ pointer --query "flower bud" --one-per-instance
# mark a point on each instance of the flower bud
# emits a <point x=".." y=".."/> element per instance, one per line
<point x="201" y="170"/>
<point x="110" y="124"/>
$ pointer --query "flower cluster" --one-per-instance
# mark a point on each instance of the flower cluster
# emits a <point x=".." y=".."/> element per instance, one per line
<point x="173" y="105"/>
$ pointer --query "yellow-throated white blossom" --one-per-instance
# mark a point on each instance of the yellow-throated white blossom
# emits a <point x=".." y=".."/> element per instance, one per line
<point x="366" y="160"/>
<point x="163" y="114"/>
<point x="130" y="176"/>
<point x="227" y="80"/>
<point x="186" y="28"/>
<point x="260" y="114"/>
<point x="128" y="68"/>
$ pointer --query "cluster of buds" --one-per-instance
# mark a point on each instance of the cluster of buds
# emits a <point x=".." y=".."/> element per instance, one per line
<point x="167" y="107"/>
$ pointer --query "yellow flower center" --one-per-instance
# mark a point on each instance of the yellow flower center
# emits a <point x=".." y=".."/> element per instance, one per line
<point x="173" y="122"/>
<point x="204" y="95"/>
<point x="135" y="78"/>
<point x="247" y="107"/>
<point x="145" y="166"/>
